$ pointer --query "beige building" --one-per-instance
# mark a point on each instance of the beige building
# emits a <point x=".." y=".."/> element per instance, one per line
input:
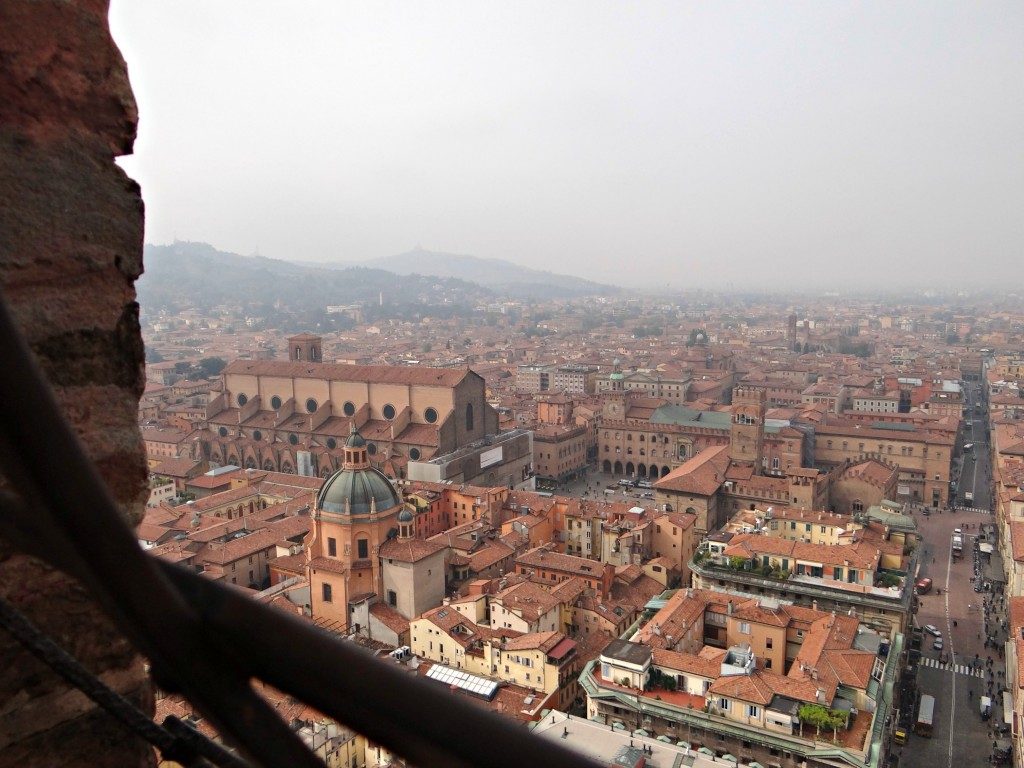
<point x="924" y="457"/>
<point x="412" y="569"/>
<point x="541" y="661"/>
<point x="294" y="416"/>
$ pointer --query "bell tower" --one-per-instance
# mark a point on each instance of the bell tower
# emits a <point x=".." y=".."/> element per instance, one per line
<point x="305" y="348"/>
<point x="746" y="434"/>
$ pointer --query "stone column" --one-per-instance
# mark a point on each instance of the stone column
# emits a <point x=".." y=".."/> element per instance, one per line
<point x="71" y="228"/>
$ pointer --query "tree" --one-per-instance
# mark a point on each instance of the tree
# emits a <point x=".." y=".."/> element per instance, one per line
<point x="211" y="366"/>
<point x="152" y="356"/>
<point x="822" y="717"/>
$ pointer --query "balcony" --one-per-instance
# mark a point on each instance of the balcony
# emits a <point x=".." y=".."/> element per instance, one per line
<point x="814" y="587"/>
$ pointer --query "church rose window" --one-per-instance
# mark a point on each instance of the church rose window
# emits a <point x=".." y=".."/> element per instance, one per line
<point x="257" y="435"/>
<point x="311" y="405"/>
<point x="414" y="453"/>
<point x="371" y="449"/>
<point x="223" y="431"/>
<point x="349" y="408"/>
<point x="332" y="443"/>
<point x="293" y="439"/>
<point x="242" y="399"/>
<point x="388" y="411"/>
<point x="275" y="402"/>
<point x="430" y="415"/>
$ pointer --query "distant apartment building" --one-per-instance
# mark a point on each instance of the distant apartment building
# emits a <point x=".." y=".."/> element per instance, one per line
<point x="531" y="379"/>
<point x="648" y="383"/>
<point x="874" y="401"/>
<point x="569" y="379"/>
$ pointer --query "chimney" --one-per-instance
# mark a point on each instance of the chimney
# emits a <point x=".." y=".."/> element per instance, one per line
<point x="814" y="604"/>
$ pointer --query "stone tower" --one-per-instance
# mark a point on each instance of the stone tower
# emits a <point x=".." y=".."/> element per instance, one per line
<point x="746" y="435"/>
<point x="305" y="348"/>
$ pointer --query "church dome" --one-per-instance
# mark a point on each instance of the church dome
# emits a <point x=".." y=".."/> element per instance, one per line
<point x="405" y="516"/>
<point x="355" y="491"/>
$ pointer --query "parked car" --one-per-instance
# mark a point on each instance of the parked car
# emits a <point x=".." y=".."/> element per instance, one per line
<point x="931" y="629"/>
<point x="923" y="586"/>
<point x="937" y="644"/>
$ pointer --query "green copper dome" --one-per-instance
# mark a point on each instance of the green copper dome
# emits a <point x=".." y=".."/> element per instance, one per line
<point x="353" y="490"/>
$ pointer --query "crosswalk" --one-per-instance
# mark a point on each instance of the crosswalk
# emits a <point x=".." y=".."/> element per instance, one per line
<point x="974" y="509"/>
<point x="960" y="669"/>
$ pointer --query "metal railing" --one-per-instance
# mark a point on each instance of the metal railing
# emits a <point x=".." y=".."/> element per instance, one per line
<point x="207" y="641"/>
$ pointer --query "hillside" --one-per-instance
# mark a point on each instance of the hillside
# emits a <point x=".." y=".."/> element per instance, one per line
<point x="186" y="275"/>
<point x="502" y="277"/>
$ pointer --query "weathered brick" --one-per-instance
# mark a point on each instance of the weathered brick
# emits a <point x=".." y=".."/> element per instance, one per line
<point x="71" y="228"/>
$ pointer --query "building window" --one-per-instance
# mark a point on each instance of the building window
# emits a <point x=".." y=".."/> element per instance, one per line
<point x="348" y="408"/>
<point x="469" y="417"/>
<point x="392" y="598"/>
<point x="293" y="439"/>
<point x="311" y="405"/>
<point x="388" y="411"/>
<point x="326" y="590"/>
<point x="753" y="711"/>
<point x="331" y="443"/>
<point x="723" y="704"/>
<point x="332" y="547"/>
<point x="275" y="402"/>
<point x="242" y="399"/>
<point x="257" y="435"/>
<point x="371" y="448"/>
<point x="414" y="453"/>
<point x="744" y="628"/>
<point x="363" y="548"/>
<point x="768" y="642"/>
<point x="430" y="415"/>
<point x="223" y="431"/>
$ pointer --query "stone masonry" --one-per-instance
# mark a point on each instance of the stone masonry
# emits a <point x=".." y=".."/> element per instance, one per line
<point x="71" y="228"/>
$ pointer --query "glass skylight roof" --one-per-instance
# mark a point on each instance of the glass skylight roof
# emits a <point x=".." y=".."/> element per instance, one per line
<point x="472" y="684"/>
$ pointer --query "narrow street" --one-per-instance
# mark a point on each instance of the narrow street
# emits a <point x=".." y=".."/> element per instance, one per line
<point x="972" y="622"/>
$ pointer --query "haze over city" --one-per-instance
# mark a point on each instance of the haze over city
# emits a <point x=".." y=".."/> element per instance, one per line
<point x="748" y="146"/>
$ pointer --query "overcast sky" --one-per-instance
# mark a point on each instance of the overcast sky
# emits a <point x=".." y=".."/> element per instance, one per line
<point x="703" y="143"/>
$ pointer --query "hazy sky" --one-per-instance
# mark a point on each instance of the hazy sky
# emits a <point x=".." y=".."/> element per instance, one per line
<point x="701" y="143"/>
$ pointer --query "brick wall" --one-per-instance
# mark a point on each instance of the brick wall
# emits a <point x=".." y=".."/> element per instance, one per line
<point x="70" y="251"/>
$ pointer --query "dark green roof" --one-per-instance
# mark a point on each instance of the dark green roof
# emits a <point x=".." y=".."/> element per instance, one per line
<point x="894" y="426"/>
<point x="357" y="487"/>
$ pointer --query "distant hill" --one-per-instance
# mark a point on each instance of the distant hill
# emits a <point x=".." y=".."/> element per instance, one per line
<point x="196" y="275"/>
<point x="502" y="277"/>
